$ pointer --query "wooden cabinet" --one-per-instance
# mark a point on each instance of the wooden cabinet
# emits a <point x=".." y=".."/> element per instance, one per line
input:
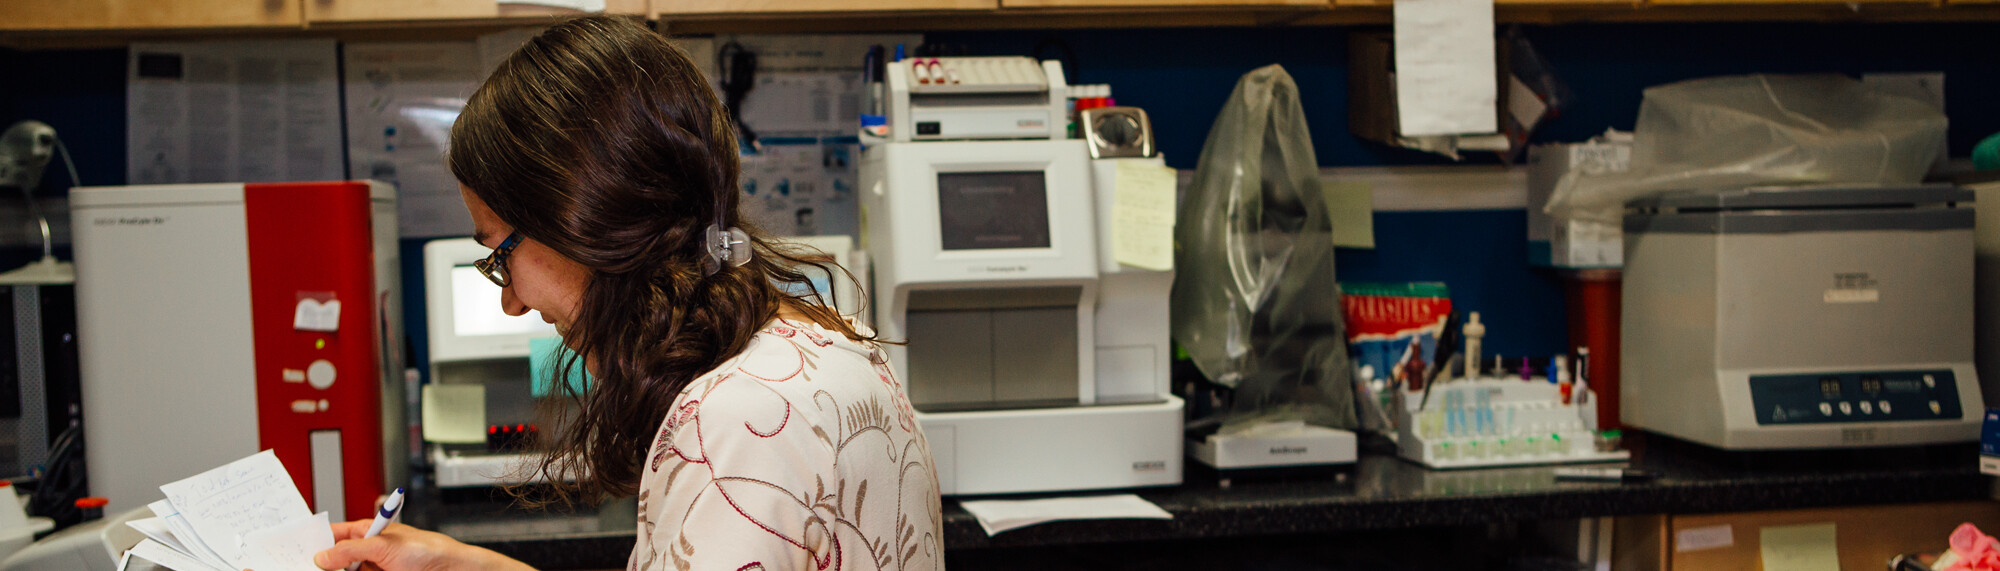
<point x="1550" y="3"/>
<point x="667" y="9"/>
<point x="329" y="11"/>
<point x="1160" y="3"/>
<point x="146" y="14"/>
<point x="1721" y="3"/>
<point x="1865" y="537"/>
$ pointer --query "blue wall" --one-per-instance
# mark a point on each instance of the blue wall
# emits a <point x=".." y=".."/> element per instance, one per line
<point x="1183" y="76"/>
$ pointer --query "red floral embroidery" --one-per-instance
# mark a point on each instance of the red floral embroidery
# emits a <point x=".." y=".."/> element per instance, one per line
<point x="797" y="488"/>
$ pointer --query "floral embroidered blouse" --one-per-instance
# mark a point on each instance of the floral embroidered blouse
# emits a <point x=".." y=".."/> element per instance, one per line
<point x="800" y="453"/>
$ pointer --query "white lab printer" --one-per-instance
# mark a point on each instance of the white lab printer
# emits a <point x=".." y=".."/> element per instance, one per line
<point x="1801" y="318"/>
<point x="1034" y="361"/>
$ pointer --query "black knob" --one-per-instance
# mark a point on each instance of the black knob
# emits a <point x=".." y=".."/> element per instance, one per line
<point x="1117" y="130"/>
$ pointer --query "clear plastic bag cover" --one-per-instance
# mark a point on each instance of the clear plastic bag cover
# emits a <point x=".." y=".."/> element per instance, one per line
<point x="1724" y="133"/>
<point x="1254" y="301"/>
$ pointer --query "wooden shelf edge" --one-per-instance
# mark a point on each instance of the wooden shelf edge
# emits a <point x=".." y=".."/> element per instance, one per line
<point x="1037" y="18"/>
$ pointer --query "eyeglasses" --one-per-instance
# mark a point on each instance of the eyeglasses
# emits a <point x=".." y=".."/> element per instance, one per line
<point x="494" y="267"/>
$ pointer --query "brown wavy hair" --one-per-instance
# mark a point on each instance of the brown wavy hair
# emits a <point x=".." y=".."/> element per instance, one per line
<point x="603" y="141"/>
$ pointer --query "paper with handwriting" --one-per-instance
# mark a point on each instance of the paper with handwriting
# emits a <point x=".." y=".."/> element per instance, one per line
<point x="243" y="515"/>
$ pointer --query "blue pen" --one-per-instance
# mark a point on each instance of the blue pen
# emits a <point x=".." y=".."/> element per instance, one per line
<point x="390" y="508"/>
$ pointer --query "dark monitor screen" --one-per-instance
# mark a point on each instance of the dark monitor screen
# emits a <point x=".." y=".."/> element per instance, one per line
<point x="992" y="210"/>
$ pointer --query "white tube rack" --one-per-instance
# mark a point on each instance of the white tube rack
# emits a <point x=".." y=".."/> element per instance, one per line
<point x="1475" y="423"/>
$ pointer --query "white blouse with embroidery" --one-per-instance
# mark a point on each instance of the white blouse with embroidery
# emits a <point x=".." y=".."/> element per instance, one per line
<point x="800" y="453"/>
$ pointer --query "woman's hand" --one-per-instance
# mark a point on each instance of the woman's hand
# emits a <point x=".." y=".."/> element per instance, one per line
<point x="404" y="548"/>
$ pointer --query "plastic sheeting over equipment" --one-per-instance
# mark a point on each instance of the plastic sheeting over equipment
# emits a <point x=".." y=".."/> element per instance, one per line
<point x="1727" y="133"/>
<point x="1254" y="302"/>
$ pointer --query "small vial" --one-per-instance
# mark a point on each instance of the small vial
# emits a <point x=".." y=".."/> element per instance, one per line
<point x="1608" y="440"/>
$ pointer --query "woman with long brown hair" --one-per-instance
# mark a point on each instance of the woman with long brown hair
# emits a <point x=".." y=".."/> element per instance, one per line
<point x="757" y="428"/>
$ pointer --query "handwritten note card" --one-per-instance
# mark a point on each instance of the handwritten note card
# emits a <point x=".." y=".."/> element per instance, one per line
<point x="1143" y="215"/>
<point x="181" y="528"/>
<point x="289" y="547"/>
<point x="227" y="503"/>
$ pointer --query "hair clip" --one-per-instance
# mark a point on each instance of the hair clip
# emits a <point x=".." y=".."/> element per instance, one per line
<point x="731" y="246"/>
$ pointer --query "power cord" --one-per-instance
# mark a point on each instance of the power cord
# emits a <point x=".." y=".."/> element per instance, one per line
<point x="738" y="67"/>
<point x="63" y="482"/>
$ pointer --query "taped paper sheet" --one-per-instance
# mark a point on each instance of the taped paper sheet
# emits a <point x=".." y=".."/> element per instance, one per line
<point x="1447" y="82"/>
<point x="238" y="111"/>
<point x="401" y="101"/>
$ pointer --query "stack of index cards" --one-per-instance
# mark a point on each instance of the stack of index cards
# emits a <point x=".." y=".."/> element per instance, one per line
<point x="243" y="515"/>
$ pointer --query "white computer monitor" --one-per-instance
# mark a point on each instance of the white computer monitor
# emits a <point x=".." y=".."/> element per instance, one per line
<point x="466" y="321"/>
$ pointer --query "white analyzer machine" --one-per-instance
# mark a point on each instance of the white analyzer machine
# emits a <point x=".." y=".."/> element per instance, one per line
<point x="1035" y="361"/>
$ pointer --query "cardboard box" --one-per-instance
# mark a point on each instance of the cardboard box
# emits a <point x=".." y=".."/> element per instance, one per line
<point x="1866" y="537"/>
<point x="1561" y="243"/>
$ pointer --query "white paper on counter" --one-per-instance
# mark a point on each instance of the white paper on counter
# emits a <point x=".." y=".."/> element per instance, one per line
<point x="996" y="516"/>
<point x="1447" y="82"/>
<point x="235" y="111"/>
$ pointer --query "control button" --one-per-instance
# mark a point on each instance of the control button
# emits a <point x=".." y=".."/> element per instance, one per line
<point x="1930" y="382"/>
<point x="1826" y="409"/>
<point x="1867" y="407"/>
<point x="294" y="376"/>
<point x="303" y="406"/>
<point x="1935" y="409"/>
<point x="320" y="374"/>
<point x="322" y="405"/>
<point x="1884" y="405"/>
<point x="1846" y="408"/>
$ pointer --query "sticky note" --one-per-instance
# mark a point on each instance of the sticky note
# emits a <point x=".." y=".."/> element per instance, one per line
<point x="1799" y="548"/>
<point x="454" y="414"/>
<point x="1350" y="209"/>
<point x="1143" y="215"/>
<point x="545" y="363"/>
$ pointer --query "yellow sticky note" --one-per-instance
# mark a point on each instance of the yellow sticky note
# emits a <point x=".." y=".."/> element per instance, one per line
<point x="1350" y="209"/>
<point x="1799" y="548"/>
<point x="454" y="413"/>
<point x="1142" y="218"/>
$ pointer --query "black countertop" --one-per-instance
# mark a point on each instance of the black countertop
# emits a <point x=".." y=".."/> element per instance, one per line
<point x="1381" y="492"/>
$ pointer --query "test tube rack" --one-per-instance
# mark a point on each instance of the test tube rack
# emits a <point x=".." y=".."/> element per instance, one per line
<point x="1475" y="423"/>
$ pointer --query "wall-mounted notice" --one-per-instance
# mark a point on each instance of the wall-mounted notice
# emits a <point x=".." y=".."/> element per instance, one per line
<point x="240" y="111"/>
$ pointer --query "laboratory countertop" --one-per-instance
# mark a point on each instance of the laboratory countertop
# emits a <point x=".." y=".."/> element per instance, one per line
<point x="1380" y="492"/>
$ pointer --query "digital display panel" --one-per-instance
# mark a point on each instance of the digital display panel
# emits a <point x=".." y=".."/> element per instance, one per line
<point x="993" y="210"/>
